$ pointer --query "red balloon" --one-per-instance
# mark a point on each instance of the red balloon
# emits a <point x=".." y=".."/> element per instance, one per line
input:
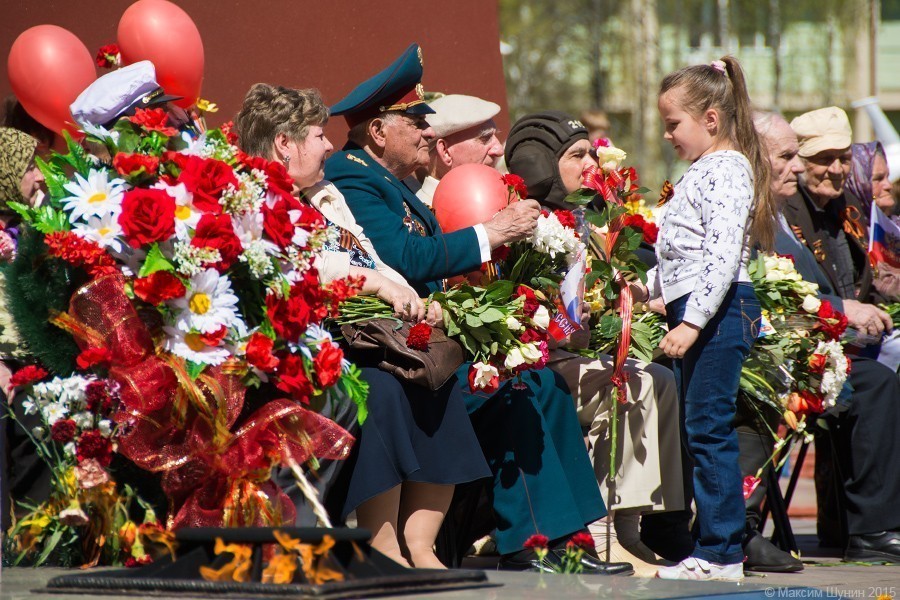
<point x="161" y="32"/>
<point x="48" y="67"/>
<point x="468" y="195"/>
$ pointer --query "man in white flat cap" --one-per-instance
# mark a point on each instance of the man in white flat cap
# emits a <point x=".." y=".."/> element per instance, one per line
<point x="465" y="133"/>
<point x="120" y="93"/>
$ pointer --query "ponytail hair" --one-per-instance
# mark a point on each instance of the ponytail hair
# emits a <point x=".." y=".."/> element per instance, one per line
<point x="702" y="87"/>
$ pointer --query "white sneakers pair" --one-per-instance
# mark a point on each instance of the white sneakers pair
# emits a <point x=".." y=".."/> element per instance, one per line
<point x="700" y="570"/>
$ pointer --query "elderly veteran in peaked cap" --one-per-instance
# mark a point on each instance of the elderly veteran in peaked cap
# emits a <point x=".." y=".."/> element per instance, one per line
<point x="120" y="93"/>
<point x="388" y="140"/>
<point x="542" y="477"/>
<point x="464" y="133"/>
<point x="823" y="214"/>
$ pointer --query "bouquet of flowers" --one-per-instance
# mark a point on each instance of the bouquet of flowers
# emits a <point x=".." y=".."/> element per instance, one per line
<point x="502" y="327"/>
<point x="186" y="270"/>
<point x="87" y="518"/>
<point x="797" y="367"/>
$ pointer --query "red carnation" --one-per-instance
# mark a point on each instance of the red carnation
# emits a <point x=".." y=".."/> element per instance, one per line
<point x="135" y="165"/>
<point x="328" y="364"/>
<point x="63" y="431"/>
<point x="97" y="397"/>
<point x="259" y="352"/>
<point x="826" y="310"/>
<point x="419" y="335"/>
<point x="292" y="378"/>
<point x="651" y="233"/>
<point x="649" y="230"/>
<point x="817" y="363"/>
<point x="831" y="322"/>
<point x="108" y="56"/>
<point x="531" y="303"/>
<point x="516" y="183"/>
<point x="537" y="541"/>
<point x="158" y="287"/>
<point x="342" y="289"/>
<point x="228" y="129"/>
<point x="291" y="315"/>
<point x="216" y="231"/>
<point x="153" y="119"/>
<point x="206" y="179"/>
<point x="80" y="252"/>
<point x="582" y="540"/>
<point x="27" y="375"/>
<point x="92" y="444"/>
<point x="565" y="218"/>
<point x="92" y="356"/>
<point x="147" y="216"/>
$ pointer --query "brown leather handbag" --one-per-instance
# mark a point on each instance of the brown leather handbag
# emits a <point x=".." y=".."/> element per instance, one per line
<point x="384" y="341"/>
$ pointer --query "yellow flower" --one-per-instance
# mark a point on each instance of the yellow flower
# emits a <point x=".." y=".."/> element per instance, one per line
<point x="206" y="106"/>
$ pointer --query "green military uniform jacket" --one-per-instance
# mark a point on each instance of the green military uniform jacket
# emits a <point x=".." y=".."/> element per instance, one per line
<point x="403" y="230"/>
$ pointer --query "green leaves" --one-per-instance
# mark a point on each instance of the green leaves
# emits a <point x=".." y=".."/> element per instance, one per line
<point x="581" y="197"/>
<point x="47" y="219"/>
<point x="194" y="369"/>
<point x="154" y="262"/>
<point x="610" y="325"/>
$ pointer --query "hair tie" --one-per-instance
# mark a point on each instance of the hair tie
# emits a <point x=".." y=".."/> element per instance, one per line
<point x="719" y="65"/>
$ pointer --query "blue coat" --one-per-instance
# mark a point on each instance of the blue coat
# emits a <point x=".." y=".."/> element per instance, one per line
<point x="403" y="230"/>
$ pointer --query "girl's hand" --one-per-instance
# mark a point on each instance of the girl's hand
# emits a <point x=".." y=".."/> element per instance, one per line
<point x="406" y="302"/>
<point x="678" y="341"/>
<point x="639" y="292"/>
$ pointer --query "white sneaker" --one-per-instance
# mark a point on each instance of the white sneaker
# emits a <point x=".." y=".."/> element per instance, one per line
<point x="701" y="570"/>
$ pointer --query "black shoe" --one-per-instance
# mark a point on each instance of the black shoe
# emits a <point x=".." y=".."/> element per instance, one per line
<point x="526" y="560"/>
<point x="883" y="546"/>
<point x="764" y="557"/>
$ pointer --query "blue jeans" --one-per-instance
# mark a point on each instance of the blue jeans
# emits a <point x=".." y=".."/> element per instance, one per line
<point x="707" y="378"/>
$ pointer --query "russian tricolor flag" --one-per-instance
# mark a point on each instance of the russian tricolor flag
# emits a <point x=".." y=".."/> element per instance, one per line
<point x="884" y="238"/>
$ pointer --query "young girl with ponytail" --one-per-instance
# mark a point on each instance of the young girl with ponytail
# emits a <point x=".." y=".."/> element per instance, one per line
<point x="721" y="206"/>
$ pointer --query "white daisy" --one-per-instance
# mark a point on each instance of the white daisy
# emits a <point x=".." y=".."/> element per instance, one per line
<point x="186" y="216"/>
<point x="190" y="346"/>
<point x="94" y="196"/>
<point x="102" y="230"/>
<point x="209" y="304"/>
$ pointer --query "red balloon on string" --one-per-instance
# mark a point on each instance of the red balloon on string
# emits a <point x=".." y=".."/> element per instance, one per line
<point x="468" y="195"/>
<point x="161" y="32"/>
<point x="48" y="67"/>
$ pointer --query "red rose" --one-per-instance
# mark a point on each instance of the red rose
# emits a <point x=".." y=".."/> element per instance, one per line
<point x="147" y="216"/>
<point x="215" y="338"/>
<point x="277" y="221"/>
<point x="259" y="352"/>
<point x="153" y="119"/>
<point x="63" y="431"/>
<point x="813" y="402"/>
<point x="651" y="233"/>
<point x="108" y="56"/>
<point x="276" y="175"/>
<point x="27" y="375"/>
<point x="565" y="218"/>
<point x="135" y="165"/>
<point x="537" y="541"/>
<point x="531" y="335"/>
<point x="418" y="337"/>
<point x="582" y="540"/>
<point x="92" y="356"/>
<point x="291" y="315"/>
<point x="158" y="287"/>
<point x="817" y="363"/>
<point x="516" y="183"/>
<point x="531" y="303"/>
<point x="292" y="378"/>
<point x="206" y="178"/>
<point x="328" y="364"/>
<point x="92" y="444"/>
<point x="216" y="231"/>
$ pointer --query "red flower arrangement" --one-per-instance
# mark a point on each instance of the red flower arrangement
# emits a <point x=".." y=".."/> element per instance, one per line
<point x="206" y="179"/>
<point x="80" y="252"/>
<point x="537" y="541"/>
<point x="135" y="165"/>
<point x="148" y="216"/>
<point x="565" y="218"/>
<point x="419" y="335"/>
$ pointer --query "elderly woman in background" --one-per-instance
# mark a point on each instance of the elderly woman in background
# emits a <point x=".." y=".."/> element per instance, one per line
<point x="20" y="181"/>
<point x="416" y="444"/>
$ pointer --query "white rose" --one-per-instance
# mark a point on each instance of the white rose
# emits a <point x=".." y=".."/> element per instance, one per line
<point x="774" y="275"/>
<point x="610" y="157"/>
<point x="531" y="353"/>
<point x="541" y="317"/>
<point x="513" y="359"/>
<point x="811" y="304"/>
<point x="513" y="324"/>
<point x="483" y="374"/>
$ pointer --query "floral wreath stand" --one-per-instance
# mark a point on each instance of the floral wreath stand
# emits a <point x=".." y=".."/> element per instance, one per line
<point x="356" y="570"/>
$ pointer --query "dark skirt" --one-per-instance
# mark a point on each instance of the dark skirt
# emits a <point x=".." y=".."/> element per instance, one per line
<point x="412" y="434"/>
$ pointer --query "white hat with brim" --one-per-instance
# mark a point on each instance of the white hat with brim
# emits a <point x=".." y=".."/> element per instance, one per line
<point x="457" y="112"/>
<point x="821" y="130"/>
<point x="119" y="93"/>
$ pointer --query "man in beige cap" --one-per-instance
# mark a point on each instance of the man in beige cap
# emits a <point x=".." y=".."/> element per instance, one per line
<point x="464" y="133"/>
<point x="823" y="215"/>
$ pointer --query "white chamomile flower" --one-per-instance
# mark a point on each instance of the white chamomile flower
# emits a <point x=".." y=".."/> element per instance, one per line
<point x="209" y="304"/>
<point x="186" y="216"/>
<point x="317" y="335"/>
<point x="103" y="230"/>
<point x="94" y="196"/>
<point x="190" y="346"/>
